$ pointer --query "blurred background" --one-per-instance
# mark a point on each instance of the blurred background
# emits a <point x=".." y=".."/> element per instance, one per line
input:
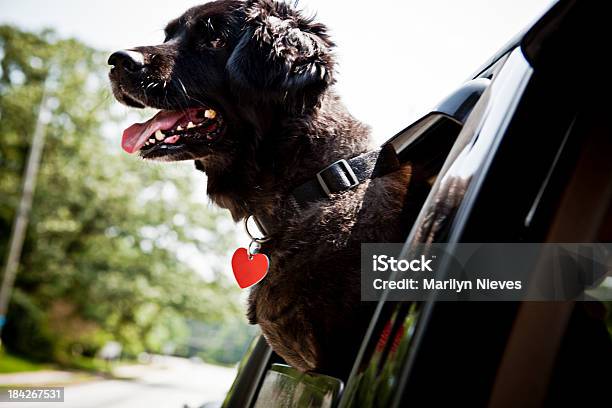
<point x="123" y="290"/>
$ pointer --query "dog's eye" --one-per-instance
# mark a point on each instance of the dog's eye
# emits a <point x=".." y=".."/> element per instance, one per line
<point x="215" y="43"/>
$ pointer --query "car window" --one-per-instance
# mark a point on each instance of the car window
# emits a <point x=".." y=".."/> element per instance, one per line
<point x="378" y="373"/>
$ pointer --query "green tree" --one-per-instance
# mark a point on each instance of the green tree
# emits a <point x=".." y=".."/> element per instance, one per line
<point x="102" y="258"/>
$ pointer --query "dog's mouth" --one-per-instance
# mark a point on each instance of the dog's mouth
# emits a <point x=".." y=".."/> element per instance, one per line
<point x="171" y="132"/>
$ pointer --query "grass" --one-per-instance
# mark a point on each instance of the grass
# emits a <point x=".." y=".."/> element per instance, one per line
<point x="12" y="364"/>
<point x="84" y="369"/>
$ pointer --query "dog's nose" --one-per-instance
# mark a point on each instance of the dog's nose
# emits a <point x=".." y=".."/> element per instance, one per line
<point x="131" y="61"/>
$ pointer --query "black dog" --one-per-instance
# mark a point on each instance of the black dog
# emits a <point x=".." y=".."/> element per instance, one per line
<point x="243" y="89"/>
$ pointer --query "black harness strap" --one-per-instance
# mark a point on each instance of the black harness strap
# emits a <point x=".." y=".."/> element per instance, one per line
<point x="340" y="176"/>
<point x="343" y="175"/>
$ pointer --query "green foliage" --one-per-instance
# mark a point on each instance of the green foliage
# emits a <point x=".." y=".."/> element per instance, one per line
<point x="102" y="258"/>
<point x="26" y="318"/>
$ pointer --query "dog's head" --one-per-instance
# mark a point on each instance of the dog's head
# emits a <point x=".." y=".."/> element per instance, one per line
<point x="226" y="71"/>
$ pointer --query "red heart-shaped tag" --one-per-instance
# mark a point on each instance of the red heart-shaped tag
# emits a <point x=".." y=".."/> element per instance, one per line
<point x="249" y="270"/>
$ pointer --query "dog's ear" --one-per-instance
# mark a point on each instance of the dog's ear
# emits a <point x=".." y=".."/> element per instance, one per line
<point x="281" y="55"/>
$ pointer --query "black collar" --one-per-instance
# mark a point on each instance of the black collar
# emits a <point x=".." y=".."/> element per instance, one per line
<point x="342" y="175"/>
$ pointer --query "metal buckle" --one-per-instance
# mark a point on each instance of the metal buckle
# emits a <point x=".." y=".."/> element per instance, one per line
<point x="347" y="170"/>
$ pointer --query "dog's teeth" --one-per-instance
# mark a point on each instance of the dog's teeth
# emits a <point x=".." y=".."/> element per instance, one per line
<point x="179" y="128"/>
<point x="190" y="125"/>
<point x="210" y="114"/>
<point x="152" y="140"/>
<point x="159" y="135"/>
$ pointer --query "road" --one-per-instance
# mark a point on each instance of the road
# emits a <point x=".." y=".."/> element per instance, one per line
<point x="168" y="383"/>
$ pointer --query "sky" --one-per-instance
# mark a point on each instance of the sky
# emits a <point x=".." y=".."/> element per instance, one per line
<point x="396" y="59"/>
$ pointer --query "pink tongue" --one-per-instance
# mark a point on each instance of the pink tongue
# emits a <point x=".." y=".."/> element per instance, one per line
<point x="136" y="135"/>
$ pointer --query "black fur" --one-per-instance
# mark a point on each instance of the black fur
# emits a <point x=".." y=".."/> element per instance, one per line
<point x="271" y="82"/>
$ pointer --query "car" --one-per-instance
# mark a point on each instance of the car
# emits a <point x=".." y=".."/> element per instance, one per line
<point x="522" y="152"/>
